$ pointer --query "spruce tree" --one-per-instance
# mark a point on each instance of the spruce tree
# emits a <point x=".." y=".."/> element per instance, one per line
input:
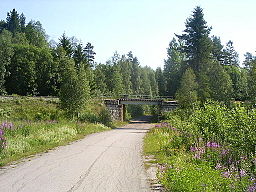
<point x="13" y="21"/>
<point x="197" y="44"/>
<point x="198" y="48"/>
<point x="66" y="44"/>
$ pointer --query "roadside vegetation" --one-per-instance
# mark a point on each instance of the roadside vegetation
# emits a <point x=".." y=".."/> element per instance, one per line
<point x="210" y="149"/>
<point x="32" y="125"/>
<point x="209" y="142"/>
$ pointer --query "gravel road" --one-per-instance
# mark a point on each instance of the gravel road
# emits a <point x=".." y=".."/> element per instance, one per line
<point x="108" y="161"/>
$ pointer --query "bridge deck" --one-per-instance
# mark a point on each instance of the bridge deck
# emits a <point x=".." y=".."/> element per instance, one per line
<point x="135" y="101"/>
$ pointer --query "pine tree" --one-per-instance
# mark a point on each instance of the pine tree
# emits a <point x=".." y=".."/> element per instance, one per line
<point x="89" y="53"/>
<point x="230" y="55"/>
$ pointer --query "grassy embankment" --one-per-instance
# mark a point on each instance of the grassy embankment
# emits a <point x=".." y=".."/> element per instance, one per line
<point x="211" y="149"/>
<point x="33" y="125"/>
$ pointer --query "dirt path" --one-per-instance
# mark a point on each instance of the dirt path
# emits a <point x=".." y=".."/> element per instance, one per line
<point x="108" y="161"/>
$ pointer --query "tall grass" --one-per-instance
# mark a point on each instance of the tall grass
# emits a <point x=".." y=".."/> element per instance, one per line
<point x="32" y="125"/>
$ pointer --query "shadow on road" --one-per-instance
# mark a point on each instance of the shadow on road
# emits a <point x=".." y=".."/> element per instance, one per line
<point x="141" y="119"/>
<point x="137" y="121"/>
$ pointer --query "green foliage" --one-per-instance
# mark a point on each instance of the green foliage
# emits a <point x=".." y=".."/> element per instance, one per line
<point x="173" y="67"/>
<point x="30" y="109"/>
<point x="187" y="94"/>
<point x="101" y="116"/>
<point x="214" y="143"/>
<point x="75" y="91"/>
<point x="6" y="52"/>
<point x="22" y="74"/>
<point x="35" y="34"/>
<point x="135" y="110"/>
<point x="161" y="84"/>
<point x="220" y="83"/>
<point x="230" y="55"/>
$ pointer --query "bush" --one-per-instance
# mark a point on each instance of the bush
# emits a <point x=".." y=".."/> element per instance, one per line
<point x="214" y="143"/>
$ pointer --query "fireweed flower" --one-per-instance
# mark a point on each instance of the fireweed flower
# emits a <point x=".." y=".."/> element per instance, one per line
<point x="192" y="149"/>
<point x="212" y="145"/>
<point x="242" y="173"/>
<point x="2" y="140"/>
<point x="218" y="166"/>
<point x="7" y="125"/>
<point x="164" y="124"/>
<point x="226" y="174"/>
<point x="252" y="188"/>
<point x="224" y="152"/>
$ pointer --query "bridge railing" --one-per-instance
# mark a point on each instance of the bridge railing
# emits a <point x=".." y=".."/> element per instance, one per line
<point x="124" y="96"/>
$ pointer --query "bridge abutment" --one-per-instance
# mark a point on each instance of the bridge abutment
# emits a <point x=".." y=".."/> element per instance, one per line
<point x="117" y="109"/>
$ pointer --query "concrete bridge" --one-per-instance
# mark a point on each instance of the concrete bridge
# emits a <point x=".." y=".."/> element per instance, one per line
<point x="116" y="107"/>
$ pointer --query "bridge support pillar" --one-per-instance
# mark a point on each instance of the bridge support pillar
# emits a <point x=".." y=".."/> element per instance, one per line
<point x="115" y="109"/>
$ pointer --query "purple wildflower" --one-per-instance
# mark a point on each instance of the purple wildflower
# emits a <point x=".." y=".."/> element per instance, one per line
<point x="243" y="173"/>
<point x="192" y="149"/>
<point x="226" y="174"/>
<point x="218" y="166"/>
<point x="7" y="125"/>
<point x="252" y="188"/>
<point x="197" y="156"/>
<point x="1" y="132"/>
<point x="224" y="151"/>
<point x="164" y="124"/>
<point x="2" y="140"/>
<point x="212" y="145"/>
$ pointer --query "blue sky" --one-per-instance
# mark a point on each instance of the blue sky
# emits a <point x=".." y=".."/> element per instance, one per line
<point x="144" y="27"/>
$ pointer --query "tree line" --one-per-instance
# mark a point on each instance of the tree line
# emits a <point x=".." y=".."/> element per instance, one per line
<point x="32" y="65"/>
<point x="199" y="67"/>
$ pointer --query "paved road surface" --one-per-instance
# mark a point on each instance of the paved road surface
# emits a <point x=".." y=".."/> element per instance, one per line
<point x="109" y="161"/>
